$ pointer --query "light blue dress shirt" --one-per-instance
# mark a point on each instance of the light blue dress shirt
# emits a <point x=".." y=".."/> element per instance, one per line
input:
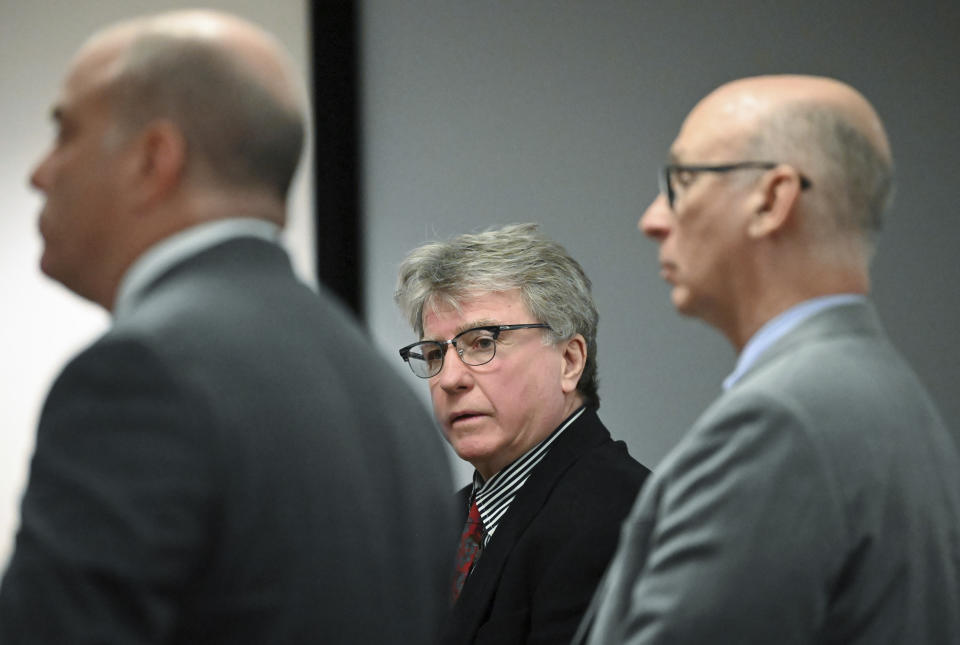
<point x="779" y="326"/>
<point x="177" y="248"/>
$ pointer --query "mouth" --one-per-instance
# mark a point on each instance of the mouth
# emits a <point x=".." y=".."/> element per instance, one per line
<point x="458" y="417"/>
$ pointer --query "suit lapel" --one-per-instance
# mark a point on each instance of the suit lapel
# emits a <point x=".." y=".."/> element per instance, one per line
<point x="472" y="608"/>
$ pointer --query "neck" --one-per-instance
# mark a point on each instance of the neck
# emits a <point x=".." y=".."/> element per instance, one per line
<point x="776" y="298"/>
<point x="207" y="205"/>
<point x="781" y="271"/>
<point x="174" y="215"/>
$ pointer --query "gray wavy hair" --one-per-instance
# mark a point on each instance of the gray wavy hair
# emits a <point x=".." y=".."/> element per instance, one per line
<point x="553" y="285"/>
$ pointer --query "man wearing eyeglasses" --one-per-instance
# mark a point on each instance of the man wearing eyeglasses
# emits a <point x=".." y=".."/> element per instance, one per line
<point x="818" y="499"/>
<point x="508" y="349"/>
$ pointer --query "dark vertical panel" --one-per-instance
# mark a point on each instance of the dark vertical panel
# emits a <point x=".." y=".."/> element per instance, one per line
<point x="335" y="100"/>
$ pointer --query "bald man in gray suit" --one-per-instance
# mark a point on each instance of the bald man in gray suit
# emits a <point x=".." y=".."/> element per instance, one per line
<point x="818" y="500"/>
<point x="231" y="462"/>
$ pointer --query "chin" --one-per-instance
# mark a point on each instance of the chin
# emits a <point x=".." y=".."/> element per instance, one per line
<point x="472" y="451"/>
<point x="680" y="297"/>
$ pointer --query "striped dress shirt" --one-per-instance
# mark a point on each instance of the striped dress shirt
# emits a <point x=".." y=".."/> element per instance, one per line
<point x="495" y="495"/>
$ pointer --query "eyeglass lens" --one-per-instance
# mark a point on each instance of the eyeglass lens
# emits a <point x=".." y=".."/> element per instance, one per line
<point x="474" y="347"/>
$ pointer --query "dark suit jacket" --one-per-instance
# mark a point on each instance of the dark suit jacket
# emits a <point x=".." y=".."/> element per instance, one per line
<point x="538" y="573"/>
<point x="231" y="463"/>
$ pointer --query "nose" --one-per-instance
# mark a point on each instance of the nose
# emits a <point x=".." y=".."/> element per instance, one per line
<point x="454" y="375"/>
<point x="657" y="219"/>
<point x="40" y="176"/>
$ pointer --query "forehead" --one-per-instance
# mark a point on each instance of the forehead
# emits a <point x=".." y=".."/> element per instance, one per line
<point x="717" y="128"/>
<point x="443" y="318"/>
<point x="91" y="70"/>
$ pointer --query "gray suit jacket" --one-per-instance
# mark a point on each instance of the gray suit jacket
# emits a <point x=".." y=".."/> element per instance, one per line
<point x="231" y="463"/>
<point x="817" y="501"/>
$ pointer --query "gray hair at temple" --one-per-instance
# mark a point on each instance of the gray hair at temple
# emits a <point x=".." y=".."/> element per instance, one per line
<point x="553" y="285"/>
<point x="238" y="132"/>
<point x="853" y="181"/>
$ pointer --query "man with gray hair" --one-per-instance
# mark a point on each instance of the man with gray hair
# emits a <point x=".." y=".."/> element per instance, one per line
<point x="230" y="462"/>
<point x="818" y="499"/>
<point x="518" y="400"/>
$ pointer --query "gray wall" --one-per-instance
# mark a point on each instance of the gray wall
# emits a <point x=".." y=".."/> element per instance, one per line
<point x="485" y="113"/>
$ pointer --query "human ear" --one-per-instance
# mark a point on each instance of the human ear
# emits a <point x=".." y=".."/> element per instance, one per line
<point x="573" y="353"/>
<point x="161" y="153"/>
<point x="774" y="201"/>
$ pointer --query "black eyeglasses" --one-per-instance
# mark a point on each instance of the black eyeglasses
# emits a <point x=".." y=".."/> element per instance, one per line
<point x="682" y="174"/>
<point x="476" y="346"/>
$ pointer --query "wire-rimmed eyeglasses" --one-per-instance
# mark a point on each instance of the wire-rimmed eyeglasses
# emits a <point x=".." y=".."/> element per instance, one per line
<point x="670" y="172"/>
<point x="475" y="346"/>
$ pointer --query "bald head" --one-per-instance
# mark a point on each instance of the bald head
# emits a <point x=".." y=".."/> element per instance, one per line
<point x="823" y="127"/>
<point x="256" y="52"/>
<point x="750" y="102"/>
<point x="223" y="82"/>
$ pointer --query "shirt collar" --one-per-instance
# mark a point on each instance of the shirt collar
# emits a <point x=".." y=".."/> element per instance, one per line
<point x="178" y="247"/>
<point x="779" y="326"/>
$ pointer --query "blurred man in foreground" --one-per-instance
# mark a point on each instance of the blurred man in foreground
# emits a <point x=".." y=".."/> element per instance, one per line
<point x="229" y="463"/>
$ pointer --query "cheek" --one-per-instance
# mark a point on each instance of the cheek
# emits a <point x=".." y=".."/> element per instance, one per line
<point x="529" y="390"/>
<point x="69" y="191"/>
<point x="693" y="246"/>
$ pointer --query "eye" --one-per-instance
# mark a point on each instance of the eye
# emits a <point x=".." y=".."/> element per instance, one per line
<point x="478" y="340"/>
<point x="483" y="342"/>
<point x="432" y="353"/>
<point x="682" y="177"/>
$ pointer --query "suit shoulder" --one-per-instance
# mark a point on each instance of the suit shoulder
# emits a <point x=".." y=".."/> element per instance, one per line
<point x="604" y="479"/>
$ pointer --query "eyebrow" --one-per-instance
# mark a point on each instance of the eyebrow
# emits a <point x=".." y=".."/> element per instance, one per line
<point x="484" y="322"/>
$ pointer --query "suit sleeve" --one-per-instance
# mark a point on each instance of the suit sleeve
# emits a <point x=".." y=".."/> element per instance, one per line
<point x="744" y="536"/>
<point x="114" y="513"/>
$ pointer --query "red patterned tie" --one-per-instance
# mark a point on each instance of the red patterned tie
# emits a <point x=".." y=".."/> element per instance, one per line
<point x="471" y="541"/>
